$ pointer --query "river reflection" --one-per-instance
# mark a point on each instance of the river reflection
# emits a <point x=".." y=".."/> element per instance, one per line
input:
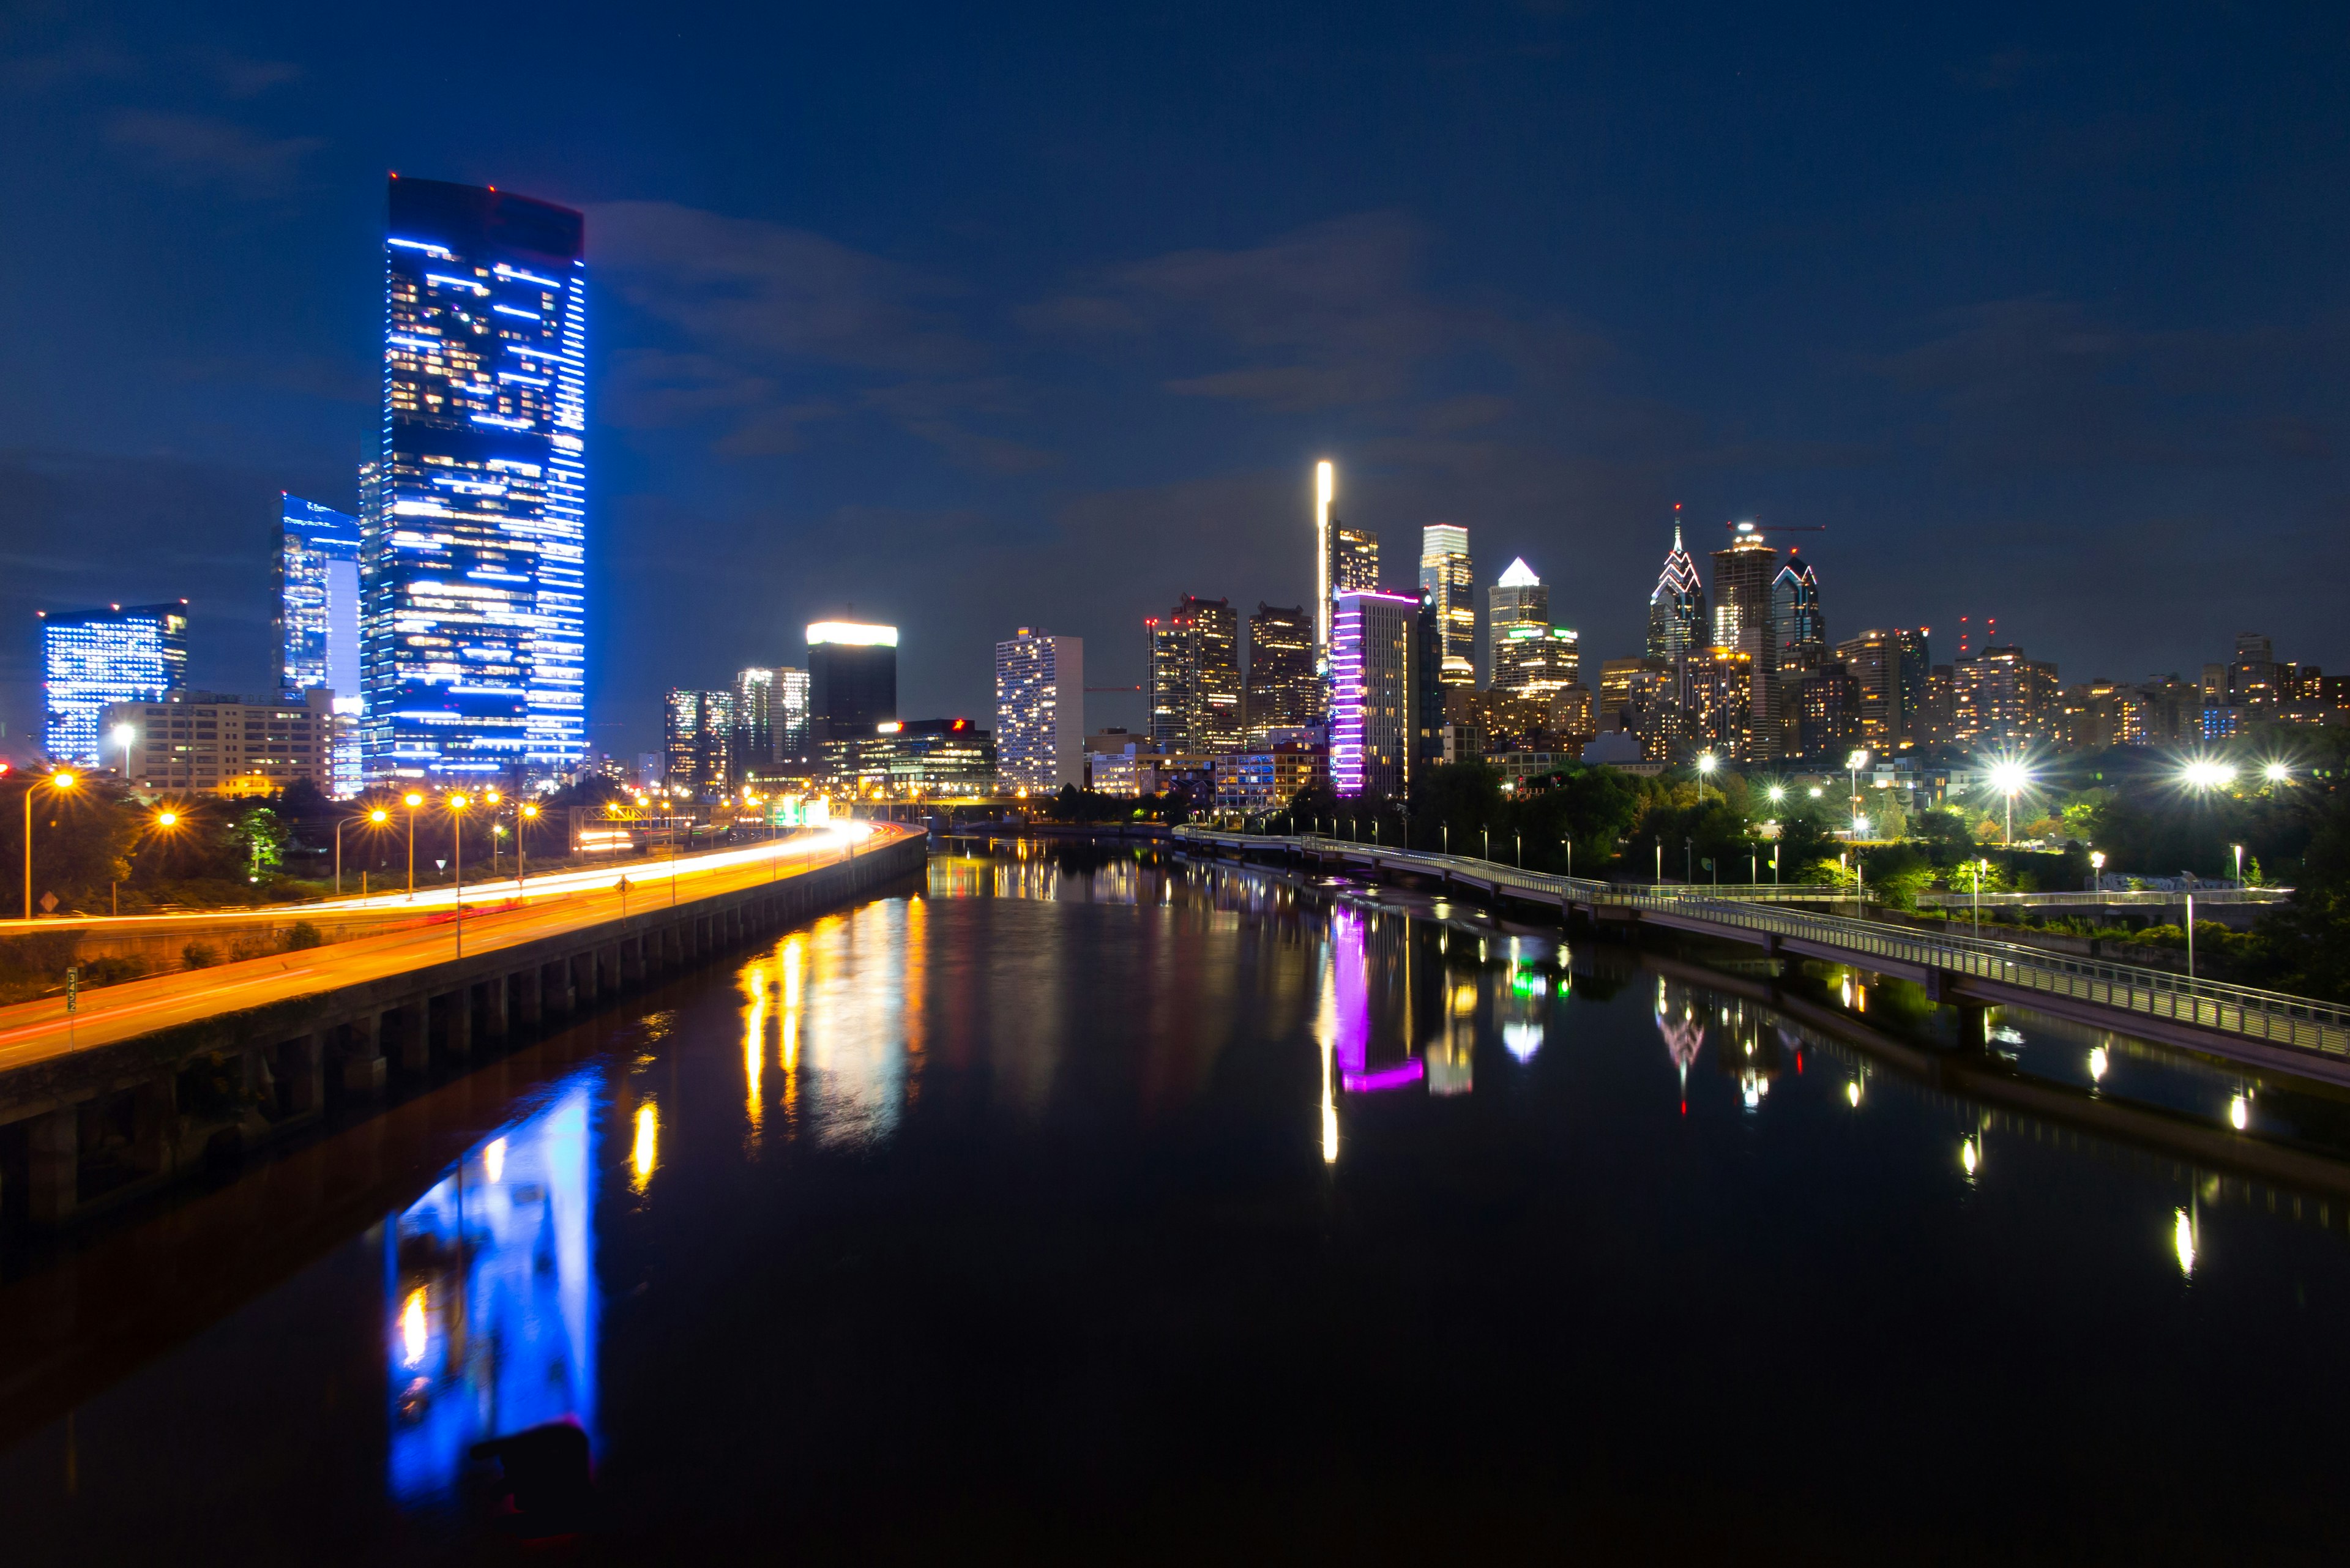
<point x="1100" y="1202"/>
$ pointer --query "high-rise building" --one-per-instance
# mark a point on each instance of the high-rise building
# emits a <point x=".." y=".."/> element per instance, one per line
<point x="1518" y="599"/>
<point x="1827" y="703"/>
<point x="200" y="741"/>
<point x="473" y="567"/>
<point x="1283" y="692"/>
<point x="1890" y="670"/>
<point x="1717" y="696"/>
<point x="317" y="614"/>
<point x="1447" y="584"/>
<point x="792" y="716"/>
<point x="1326" y="491"/>
<point x="697" y="737"/>
<point x="92" y="658"/>
<point x="852" y="678"/>
<point x="753" y="743"/>
<point x="1373" y="707"/>
<point x="1616" y="686"/>
<point x="1429" y="685"/>
<point x="1040" y="711"/>
<point x="1535" y="660"/>
<point x="1744" y="572"/>
<point x="2000" y="697"/>
<point x="1677" y="618"/>
<point x="1195" y="679"/>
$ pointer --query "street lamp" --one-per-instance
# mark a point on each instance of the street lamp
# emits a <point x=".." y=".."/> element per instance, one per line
<point x="1853" y="764"/>
<point x="2009" y="777"/>
<point x="1705" y="767"/>
<point x="375" y="818"/>
<point x="411" y="800"/>
<point x="528" y="813"/>
<point x="457" y="804"/>
<point x="2239" y="863"/>
<point x="60" y="784"/>
<point x="2277" y="772"/>
<point x="2096" y="869"/>
<point x="125" y="736"/>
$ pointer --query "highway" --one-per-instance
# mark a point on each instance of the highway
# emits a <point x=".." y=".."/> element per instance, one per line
<point x="497" y="915"/>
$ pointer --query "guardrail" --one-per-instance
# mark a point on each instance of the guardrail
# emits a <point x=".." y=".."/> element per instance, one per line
<point x="2275" y="1018"/>
<point x="2117" y="898"/>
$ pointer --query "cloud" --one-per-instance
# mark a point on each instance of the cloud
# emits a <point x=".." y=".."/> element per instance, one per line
<point x="203" y="150"/>
<point x="240" y="77"/>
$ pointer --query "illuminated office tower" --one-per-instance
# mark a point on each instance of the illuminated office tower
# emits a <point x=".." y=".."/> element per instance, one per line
<point x="697" y="739"/>
<point x="1326" y="491"/>
<point x="473" y="516"/>
<point x="1040" y="711"/>
<point x="1801" y="633"/>
<point x="1743" y="571"/>
<point x="92" y="658"/>
<point x="754" y="742"/>
<point x="317" y="618"/>
<point x="1373" y="707"/>
<point x="1677" y="618"/>
<point x="1195" y="679"/>
<point x="1534" y="659"/>
<point x="1889" y="669"/>
<point x="852" y="679"/>
<point x="1519" y="598"/>
<point x="1283" y="692"/>
<point x="792" y="716"/>
<point x="1448" y="585"/>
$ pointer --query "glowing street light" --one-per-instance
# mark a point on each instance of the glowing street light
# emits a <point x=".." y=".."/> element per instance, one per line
<point x="2009" y="778"/>
<point x="411" y="800"/>
<point x="126" y="737"/>
<point x="1853" y="764"/>
<point x="375" y="818"/>
<point x="2204" y="775"/>
<point x="60" y="784"/>
<point x="528" y="813"/>
<point x="2096" y="869"/>
<point x="457" y="804"/>
<point x="2277" y="772"/>
<point x="1705" y="767"/>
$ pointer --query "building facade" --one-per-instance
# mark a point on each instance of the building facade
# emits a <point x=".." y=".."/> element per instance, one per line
<point x="1195" y="679"/>
<point x="196" y="743"/>
<point x="1372" y="706"/>
<point x="1518" y="598"/>
<point x="2000" y="697"/>
<point x="472" y="570"/>
<point x="1677" y="625"/>
<point x="697" y="741"/>
<point x="1282" y="690"/>
<point x="752" y="743"/>
<point x="915" y="759"/>
<point x="1449" y="585"/>
<point x="89" y="658"/>
<point x="317" y="623"/>
<point x="852" y="673"/>
<point x="1743" y="574"/>
<point x="1040" y="711"/>
<point x="792" y="716"/>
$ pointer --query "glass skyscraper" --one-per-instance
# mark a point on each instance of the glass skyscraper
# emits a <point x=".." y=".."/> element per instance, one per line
<point x="474" y="514"/>
<point x="92" y="658"/>
<point x="1447" y="584"/>
<point x="318" y="600"/>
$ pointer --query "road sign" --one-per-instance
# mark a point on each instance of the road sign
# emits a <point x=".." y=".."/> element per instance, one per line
<point x="48" y="903"/>
<point x="73" y="988"/>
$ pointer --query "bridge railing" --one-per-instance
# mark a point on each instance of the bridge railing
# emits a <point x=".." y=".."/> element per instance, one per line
<point x="2117" y="898"/>
<point x="2274" y="1017"/>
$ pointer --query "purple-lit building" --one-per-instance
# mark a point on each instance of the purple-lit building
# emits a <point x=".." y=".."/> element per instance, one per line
<point x="1373" y="681"/>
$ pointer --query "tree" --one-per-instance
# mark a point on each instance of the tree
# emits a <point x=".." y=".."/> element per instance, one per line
<point x="2307" y="943"/>
<point x="82" y="839"/>
<point x="263" y="836"/>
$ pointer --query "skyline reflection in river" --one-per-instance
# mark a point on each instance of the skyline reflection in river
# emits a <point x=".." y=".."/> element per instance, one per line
<point x="1078" y="1201"/>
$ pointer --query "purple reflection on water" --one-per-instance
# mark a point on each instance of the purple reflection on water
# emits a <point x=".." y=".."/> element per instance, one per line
<point x="1350" y="983"/>
<point x="1408" y="1072"/>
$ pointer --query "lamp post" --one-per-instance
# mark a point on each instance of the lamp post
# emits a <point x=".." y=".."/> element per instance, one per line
<point x="2239" y="863"/>
<point x="1705" y="767"/>
<point x="411" y="800"/>
<point x="375" y="818"/>
<point x="521" y="856"/>
<point x="1853" y="764"/>
<point x="124" y="736"/>
<point x="60" y="784"/>
<point x="2096" y="870"/>
<point x="457" y="804"/>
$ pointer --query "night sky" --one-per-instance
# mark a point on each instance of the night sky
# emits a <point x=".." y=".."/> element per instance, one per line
<point x="977" y="316"/>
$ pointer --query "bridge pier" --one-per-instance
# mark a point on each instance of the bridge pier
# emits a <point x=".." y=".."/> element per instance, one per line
<point x="496" y="1018"/>
<point x="1974" y="1025"/>
<point x="302" y="1074"/>
<point x="526" y="983"/>
<point x="363" y="1066"/>
<point x="53" y="1166"/>
<point x="413" y="1037"/>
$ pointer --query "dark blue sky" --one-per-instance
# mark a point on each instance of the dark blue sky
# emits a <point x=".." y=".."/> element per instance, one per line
<point x="970" y="318"/>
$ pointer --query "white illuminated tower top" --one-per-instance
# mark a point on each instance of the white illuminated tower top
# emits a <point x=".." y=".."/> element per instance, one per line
<point x="1325" y="487"/>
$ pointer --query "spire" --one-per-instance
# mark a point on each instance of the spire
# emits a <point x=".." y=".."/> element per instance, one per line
<point x="1520" y="576"/>
<point x="1677" y="536"/>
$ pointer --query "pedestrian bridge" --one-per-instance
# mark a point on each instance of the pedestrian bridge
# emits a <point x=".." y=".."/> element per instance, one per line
<point x="2266" y="1028"/>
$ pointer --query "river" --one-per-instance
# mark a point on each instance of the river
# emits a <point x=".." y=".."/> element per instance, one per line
<point x="1094" y="1203"/>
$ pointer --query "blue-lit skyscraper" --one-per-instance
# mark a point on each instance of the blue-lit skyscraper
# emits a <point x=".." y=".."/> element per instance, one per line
<point x="92" y="658"/>
<point x="474" y="516"/>
<point x="318" y="600"/>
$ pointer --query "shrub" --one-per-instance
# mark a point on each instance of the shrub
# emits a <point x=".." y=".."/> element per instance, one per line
<point x="196" y="955"/>
<point x="303" y="934"/>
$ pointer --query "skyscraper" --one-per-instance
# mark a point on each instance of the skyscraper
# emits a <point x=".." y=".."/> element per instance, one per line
<point x="317" y="615"/>
<point x="1040" y="711"/>
<point x="1326" y="491"/>
<point x="1195" y="679"/>
<point x="1354" y="559"/>
<point x="92" y="658"/>
<point x="1677" y="618"/>
<point x="1282" y="692"/>
<point x="697" y="729"/>
<point x="1374" y="711"/>
<point x="792" y="716"/>
<point x="1744" y="572"/>
<point x="1450" y="587"/>
<point x="1890" y="674"/>
<point x="852" y="679"/>
<point x="1519" y="598"/>
<point x="753" y="743"/>
<point x="1801" y="633"/>
<point x="474" y="526"/>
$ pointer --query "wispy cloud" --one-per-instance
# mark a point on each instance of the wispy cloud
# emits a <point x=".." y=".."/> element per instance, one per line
<point x="206" y="150"/>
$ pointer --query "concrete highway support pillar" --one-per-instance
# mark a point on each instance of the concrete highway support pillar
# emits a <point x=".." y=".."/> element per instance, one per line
<point x="526" y="983"/>
<point x="415" y="1026"/>
<point x="555" y="988"/>
<point x="496" y="1015"/>
<point x="302" y="1070"/>
<point x="53" y="1170"/>
<point x="363" y="1064"/>
<point x="154" y="1122"/>
<point x="583" y="978"/>
<point x="457" y="1022"/>
<point x="1974" y="1026"/>
<point x="633" y="962"/>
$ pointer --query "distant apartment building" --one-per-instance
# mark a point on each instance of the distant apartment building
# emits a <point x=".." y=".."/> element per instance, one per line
<point x="697" y="741"/>
<point x="1040" y="711"/>
<point x="1374" y="705"/>
<point x="1195" y="678"/>
<point x="1282" y="690"/>
<point x="200" y="743"/>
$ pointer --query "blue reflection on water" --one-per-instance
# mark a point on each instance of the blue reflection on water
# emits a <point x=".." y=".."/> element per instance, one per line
<point x="491" y="1299"/>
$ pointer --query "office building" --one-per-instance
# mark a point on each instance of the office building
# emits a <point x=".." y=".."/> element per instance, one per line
<point x="1283" y="691"/>
<point x="1616" y="686"/>
<point x="1447" y="584"/>
<point x="1519" y="598"/>
<point x="1890" y="668"/>
<point x="916" y="759"/>
<point x="1677" y="625"/>
<point x="697" y="741"/>
<point x="1717" y="705"/>
<point x="1195" y="679"/>
<point x="474" y="514"/>
<point x="1429" y="688"/>
<point x="1325" y="492"/>
<point x="318" y="600"/>
<point x="2002" y="698"/>
<point x="1744" y="572"/>
<point x="92" y="658"/>
<point x="197" y="742"/>
<point x="1372" y="706"/>
<point x="1040" y="711"/>
<point x="1532" y="659"/>
<point x="1801" y="633"/>
<point x="852" y="676"/>
<point x="791" y="716"/>
<point x="1826" y="702"/>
